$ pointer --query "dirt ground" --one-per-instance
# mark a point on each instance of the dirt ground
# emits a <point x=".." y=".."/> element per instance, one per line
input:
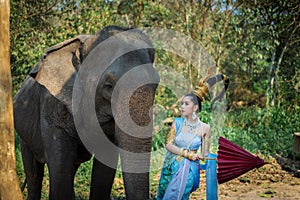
<point x="279" y="180"/>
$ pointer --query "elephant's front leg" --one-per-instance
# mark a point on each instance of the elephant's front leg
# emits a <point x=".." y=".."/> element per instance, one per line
<point x="102" y="179"/>
<point x="135" y="160"/>
<point x="104" y="173"/>
<point x="61" y="150"/>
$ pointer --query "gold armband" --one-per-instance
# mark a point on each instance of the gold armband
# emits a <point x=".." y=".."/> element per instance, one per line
<point x="185" y="153"/>
<point x="191" y="155"/>
<point x="181" y="152"/>
<point x="170" y="137"/>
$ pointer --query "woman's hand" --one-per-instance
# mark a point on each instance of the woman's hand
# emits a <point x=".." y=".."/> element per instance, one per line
<point x="197" y="157"/>
<point x="201" y="158"/>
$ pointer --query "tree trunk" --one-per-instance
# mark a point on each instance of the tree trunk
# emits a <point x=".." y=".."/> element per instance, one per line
<point x="276" y="73"/>
<point x="9" y="187"/>
<point x="270" y="81"/>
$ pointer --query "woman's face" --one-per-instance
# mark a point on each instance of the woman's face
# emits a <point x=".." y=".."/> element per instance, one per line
<point x="187" y="106"/>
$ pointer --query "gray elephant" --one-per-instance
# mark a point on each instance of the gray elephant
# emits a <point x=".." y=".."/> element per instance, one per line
<point x="44" y="115"/>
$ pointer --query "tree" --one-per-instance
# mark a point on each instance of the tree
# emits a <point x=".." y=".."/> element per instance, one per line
<point x="279" y="28"/>
<point x="9" y="188"/>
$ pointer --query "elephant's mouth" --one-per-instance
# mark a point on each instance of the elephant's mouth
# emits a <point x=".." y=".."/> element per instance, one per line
<point x="140" y="104"/>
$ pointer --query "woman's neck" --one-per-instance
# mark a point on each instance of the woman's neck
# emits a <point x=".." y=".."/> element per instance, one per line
<point x="191" y="120"/>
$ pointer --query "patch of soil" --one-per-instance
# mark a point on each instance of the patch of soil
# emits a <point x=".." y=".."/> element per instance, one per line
<point x="279" y="180"/>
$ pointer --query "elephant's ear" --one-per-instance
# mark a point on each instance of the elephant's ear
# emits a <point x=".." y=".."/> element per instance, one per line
<point x="58" y="68"/>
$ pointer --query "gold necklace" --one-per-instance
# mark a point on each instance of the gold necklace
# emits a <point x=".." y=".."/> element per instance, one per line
<point x="191" y="126"/>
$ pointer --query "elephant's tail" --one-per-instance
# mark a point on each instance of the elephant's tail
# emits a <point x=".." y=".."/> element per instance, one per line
<point x="23" y="185"/>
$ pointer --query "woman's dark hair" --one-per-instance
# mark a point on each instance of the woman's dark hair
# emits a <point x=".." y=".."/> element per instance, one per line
<point x="196" y="100"/>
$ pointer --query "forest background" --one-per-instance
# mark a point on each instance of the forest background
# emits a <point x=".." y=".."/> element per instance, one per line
<point x="255" y="43"/>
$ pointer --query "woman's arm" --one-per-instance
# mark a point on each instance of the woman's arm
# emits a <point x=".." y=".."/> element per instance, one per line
<point x="206" y="141"/>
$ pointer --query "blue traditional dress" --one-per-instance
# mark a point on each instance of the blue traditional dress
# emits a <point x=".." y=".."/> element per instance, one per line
<point x="180" y="176"/>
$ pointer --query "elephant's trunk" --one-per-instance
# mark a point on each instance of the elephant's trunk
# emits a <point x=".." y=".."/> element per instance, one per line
<point x="134" y="140"/>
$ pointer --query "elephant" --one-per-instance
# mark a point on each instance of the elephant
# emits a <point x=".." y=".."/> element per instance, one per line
<point x="45" y="121"/>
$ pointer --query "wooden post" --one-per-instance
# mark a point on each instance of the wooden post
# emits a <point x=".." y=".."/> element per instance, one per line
<point x="296" y="148"/>
<point x="9" y="187"/>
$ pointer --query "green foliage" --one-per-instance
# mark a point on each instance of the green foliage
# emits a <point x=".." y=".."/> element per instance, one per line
<point x="241" y="36"/>
<point x="266" y="131"/>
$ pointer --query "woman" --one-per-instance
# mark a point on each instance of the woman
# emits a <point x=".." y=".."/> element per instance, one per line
<point x="181" y="171"/>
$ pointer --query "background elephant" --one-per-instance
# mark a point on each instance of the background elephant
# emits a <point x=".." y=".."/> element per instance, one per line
<point x="45" y="122"/>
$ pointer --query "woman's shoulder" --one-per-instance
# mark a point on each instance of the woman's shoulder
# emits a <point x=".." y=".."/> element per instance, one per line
<point x="205" y="125"/>
<point x="206" y="129"/>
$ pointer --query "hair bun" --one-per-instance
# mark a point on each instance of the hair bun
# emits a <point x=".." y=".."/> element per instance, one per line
<point x="201" y="90"/>
<point x="207" y="82"/>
